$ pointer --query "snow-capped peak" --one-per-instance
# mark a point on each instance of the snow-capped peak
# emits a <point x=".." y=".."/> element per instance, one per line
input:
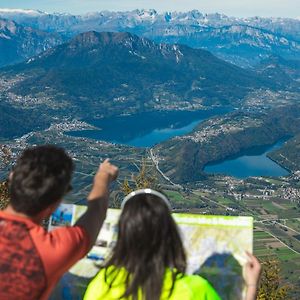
<point x="29" y="12"/>
<point x="146" y="13"/>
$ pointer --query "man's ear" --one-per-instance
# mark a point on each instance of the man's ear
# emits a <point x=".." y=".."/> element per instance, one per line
<point x="10" y="176"/>
<point x="46" y="213"/>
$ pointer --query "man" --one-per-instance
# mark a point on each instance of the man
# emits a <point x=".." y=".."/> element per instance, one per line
<point x="32" y="260"/>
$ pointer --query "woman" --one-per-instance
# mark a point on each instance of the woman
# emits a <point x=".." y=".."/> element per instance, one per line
<point x="148" y="261"/>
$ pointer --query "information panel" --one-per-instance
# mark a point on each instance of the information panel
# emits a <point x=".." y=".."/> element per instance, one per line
<point x="215" y="246"/>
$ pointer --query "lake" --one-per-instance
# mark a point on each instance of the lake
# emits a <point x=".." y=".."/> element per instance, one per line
<point x="147" y="129"/>
<point x="253" y="162"/>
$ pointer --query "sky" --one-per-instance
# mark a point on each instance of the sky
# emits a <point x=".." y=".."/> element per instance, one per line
<point x="238" y="8"/>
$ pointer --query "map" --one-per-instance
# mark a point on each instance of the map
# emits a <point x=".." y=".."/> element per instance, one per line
<point x="215" y="246"/>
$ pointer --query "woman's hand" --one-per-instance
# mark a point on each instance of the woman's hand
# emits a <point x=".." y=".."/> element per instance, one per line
<point x="252" y="271"/>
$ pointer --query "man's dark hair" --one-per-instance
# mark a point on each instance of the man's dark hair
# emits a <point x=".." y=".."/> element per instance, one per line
<point x="40" y="178"/>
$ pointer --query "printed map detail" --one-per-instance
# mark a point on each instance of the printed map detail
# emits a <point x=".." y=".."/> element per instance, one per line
<point x="215" y="247"/>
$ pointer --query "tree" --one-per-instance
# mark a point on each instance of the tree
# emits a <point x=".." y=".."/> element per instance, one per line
<point x="4" y="195"/>
<point x="5" y="154"/>
<point x="271" y="286"/>
<point x="144" y="178"/>
<point x="126" y="188"/>
<point x="5" y="158"/>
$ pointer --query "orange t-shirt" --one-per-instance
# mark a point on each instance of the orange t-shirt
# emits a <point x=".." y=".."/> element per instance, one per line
<point x="32" y="260"/>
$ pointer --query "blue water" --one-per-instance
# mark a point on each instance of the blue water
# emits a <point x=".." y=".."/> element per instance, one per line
<point x="147" y="129"/>
<point x="249" y="163"/>
<point x="160" y="135"/>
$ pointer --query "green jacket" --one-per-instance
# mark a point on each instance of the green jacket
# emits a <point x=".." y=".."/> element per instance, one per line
<point x="188" y="287"/>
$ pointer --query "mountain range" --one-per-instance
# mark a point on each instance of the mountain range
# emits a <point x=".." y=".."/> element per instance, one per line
<point x="106" y="74"/>
<point x="243" y="41"/>
<point x="69" y="72"/>
<point x="101" y="74"/>
<point x="18" y="43"/>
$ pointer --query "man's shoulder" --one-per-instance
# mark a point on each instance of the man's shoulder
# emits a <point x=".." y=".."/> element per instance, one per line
<point x="21" y="265"/>
<point x="62" y="239"/>
<point x="5" y="216"/>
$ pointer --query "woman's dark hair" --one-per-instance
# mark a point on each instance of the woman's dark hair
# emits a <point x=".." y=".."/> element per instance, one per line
<point x="148" y="243"/>
<point x="40" y="178"/>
